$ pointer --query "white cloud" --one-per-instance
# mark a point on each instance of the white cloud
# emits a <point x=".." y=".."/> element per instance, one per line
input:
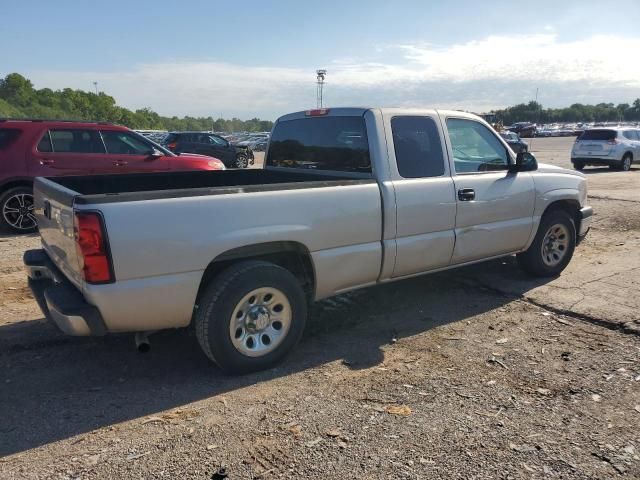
<point x="492" y="72"/>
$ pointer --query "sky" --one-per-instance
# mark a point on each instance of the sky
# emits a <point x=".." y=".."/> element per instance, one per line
<point x="258" y="58"/>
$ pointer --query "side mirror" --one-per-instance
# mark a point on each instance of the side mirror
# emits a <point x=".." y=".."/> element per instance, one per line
<point x="155" y="153"/>
<point x="525" y="162"/>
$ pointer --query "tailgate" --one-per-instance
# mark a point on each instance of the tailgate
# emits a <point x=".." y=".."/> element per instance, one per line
<point x="54" y="212"/>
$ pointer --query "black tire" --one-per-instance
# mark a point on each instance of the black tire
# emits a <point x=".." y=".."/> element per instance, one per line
<point x="221" y="298"/>
<point x="532" y="260"/>
<point x="578" y="166"/>
<point x="9" y="219"/>
<point x="625" y="163"/>
<point x="242" y="161"/>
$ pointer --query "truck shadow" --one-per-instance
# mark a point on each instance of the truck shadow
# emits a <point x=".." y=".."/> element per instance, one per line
<point x="54" y="387"/>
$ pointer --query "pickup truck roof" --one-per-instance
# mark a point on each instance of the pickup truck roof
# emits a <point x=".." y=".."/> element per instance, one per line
<point x="358" y="111"/>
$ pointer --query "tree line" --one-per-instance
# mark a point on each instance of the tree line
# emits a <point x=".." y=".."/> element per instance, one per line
<point x="578" y="112"/>
<point x="18" y="99"/>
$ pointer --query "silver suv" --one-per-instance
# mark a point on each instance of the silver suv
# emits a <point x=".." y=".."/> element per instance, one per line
<point x="617" y="147"/>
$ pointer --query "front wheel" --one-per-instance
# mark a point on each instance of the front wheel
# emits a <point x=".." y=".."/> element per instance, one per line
<point x="625" y="164"/>
<point x="16" y="210"/>
<point x="242" y="161"/>
<point x="579" y="166"/>
<point x="251" y="316"/>
<point x="553" y="246"/>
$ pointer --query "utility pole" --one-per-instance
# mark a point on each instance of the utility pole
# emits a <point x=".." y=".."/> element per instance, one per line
<point x="95" y="84"/>
<point x="320" y="74"/>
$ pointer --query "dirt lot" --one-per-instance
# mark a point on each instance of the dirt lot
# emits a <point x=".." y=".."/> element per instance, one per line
<point x="478" y="373"/>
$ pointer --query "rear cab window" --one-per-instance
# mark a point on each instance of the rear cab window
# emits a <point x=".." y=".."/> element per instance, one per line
<point x="321" y="143"/>
<point x="598" y="135"/>
<point x="417" y="146"/>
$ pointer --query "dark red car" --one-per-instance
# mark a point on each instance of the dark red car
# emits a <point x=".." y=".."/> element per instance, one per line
<point x="43" y="148"/>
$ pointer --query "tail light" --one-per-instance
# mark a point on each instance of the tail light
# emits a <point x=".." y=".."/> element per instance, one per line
<point x="172" y="146"/>
<point x="93" y="248"/>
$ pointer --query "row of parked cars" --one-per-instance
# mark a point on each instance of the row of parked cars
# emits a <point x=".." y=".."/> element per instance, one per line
<point x="529" y="130"/>
<point x="32" y="148"/>
<point x="617" y="147"/>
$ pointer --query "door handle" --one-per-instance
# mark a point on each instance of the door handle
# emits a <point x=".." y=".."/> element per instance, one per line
<point x="47" y="161"/>
<point x="466" y="194"/>
<point x="120" y="163"/>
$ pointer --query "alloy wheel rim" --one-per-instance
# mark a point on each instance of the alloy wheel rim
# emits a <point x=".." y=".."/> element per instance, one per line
<point x="627" y="163"/>
<point x="555" y="245"/>
<point x="260" y="322"/>
<point x="242" y="162"/>
<point x="18" y="211"/>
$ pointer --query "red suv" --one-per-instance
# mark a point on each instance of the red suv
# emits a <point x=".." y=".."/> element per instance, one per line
<point x="43" y="148"/>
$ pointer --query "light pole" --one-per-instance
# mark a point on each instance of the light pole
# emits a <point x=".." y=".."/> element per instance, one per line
<point x="320" y="74"/>
<point x="95" y="84"/>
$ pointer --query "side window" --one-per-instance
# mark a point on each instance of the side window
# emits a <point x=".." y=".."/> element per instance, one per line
<point x="44" y="145"/>
<point x="124" y="143"/>
<point x="76" y="141"/>
<point x="417" y="146"/>
<point x="628" y="134"/>
<point x="217" y="140"/>
<point x="475" y="148"/>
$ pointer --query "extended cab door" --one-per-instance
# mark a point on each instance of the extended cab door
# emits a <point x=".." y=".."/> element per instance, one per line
<point x="424" y="190"/>
<point x="494" y="207"/>
<point x="128" y="152"/>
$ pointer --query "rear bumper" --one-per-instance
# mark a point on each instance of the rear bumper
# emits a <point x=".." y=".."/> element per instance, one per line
<point x="595" y="160"/>
<point x="586" y="216"/>
<point x="60" y="301"/>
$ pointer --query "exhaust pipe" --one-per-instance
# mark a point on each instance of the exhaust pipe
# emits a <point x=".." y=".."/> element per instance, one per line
<point x="142" y="342"/>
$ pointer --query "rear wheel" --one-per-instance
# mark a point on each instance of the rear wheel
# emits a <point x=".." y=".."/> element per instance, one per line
<point x="579" y="166"/>
<point x="553" y="246"/>
<point x="251" y="316"/>
<point x="16" y="210"/>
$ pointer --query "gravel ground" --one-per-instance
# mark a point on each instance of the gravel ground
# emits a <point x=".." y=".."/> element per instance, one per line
<point x="471" y="374"/>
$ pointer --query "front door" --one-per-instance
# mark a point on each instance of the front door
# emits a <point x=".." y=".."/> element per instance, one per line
<point x="424" y="191"/>
<point x="219" y="148"/>
<point x="494" y="207"/>
<point x="128" y="153"/>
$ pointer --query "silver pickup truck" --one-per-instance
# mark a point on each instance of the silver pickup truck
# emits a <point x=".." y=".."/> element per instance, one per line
<point x="348" y="197"/>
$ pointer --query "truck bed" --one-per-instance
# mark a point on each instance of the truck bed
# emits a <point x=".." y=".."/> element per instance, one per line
<point x="147" y="186"/>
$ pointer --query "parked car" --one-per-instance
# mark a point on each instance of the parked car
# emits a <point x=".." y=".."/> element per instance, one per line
<point x="617" y="148"/>
<point x="515" y="142"/>
<point x="31" y="148"/>
<point x="524" y="129"/>
<point x="349" y="197"/>
<point x="232" y="155"/>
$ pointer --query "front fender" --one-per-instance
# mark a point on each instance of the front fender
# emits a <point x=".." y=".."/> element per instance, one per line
<point x="546" y="199"/>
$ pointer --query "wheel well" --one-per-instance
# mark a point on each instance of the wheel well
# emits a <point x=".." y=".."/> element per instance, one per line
<point x="572" y="207"/>
<point x="630" y="154"/>
<point x="15" y="183"/>
<point x="292" y="256"/>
